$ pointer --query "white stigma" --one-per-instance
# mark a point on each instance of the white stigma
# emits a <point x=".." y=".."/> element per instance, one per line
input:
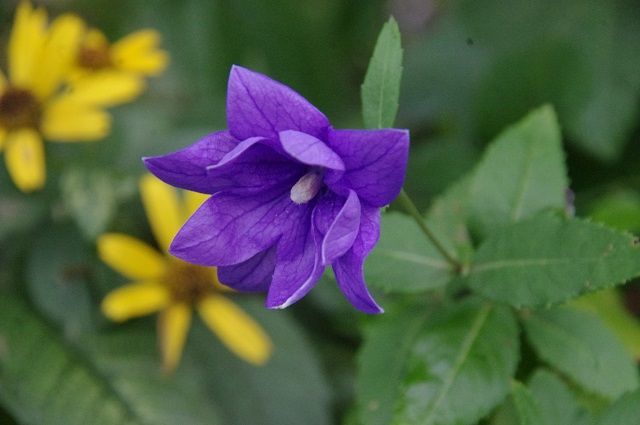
<point x="306" y="188"/>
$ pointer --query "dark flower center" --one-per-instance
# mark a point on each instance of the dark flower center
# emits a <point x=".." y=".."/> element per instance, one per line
<point x="18" y="108"/>
<point x="189" y="283"/>
<point x="307" y="187"/>
<point x="94" y="57"/>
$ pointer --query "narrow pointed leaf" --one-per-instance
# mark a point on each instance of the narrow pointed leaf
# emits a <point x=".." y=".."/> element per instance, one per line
<point x="521" y="173"/>
<point x="580" y="346"/>
<point x="548" y="260"/>
<point x="381" y="87"/>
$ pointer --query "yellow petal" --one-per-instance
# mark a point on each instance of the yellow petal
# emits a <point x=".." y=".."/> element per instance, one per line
<point x="173" y="327"/>
<point x="163" y="209"/>
<point x="67" y="121"/>
<point x="59" y="53"/>
<point x="131" y="257"/>
<point x="193" y="200"/>
<point x="105" y="88"/>
<point x="25" y="43"/>
<point x="139" y="52"/>
<point x="95" y="39"/>
<point x="239" y="332"/>
<point x="24" y="157"/>
<point x="135" y="300"/>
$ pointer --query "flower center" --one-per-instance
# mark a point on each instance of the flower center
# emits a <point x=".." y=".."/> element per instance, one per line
<point x="18" y="108"/>
<point x="189" y="283"/>
<point x="307" y="187"/>
<point x="94" y="57"/>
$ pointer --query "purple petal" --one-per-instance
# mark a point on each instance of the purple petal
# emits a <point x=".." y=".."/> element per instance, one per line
<point x="349" y="269"/>
<point x="375" y="160"/>
<point x="253" y="275"/>
<point x="310" y="150"/>
<point x="298" y="266"/>
<point x="252" y="167"/>
<point x="260" y="106"/>
<point x="187" y="168"/>
<point x="231" y="228"/>
<point x="338" y="220"/>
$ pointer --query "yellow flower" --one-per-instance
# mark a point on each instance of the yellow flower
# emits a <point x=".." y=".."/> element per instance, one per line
<point x="33" y="103"/>
<point x="121" y="66"/>
<point x="172" y="287"/>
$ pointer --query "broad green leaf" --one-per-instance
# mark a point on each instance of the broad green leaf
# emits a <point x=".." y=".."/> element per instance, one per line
<point x="381" y="87"/>
<point x="404" y="260"/>
<point x="45" y="380"/>
<point x="447" y="219"/>
<point x="521" y="173"/>
<point x="579" y="345"/>
<point x="59" y="273"/>
<point x="459" y="366"/>
<point x="290" y="389"/>
<point x="382" y="361"/>
<point x="625" y="411"/>
<point x="548" y="259"/>
<point x="619" y="209"/>
<point x="558" y="405"/>
<point x="91" y="196"/>
<point x="527" y="409"/>
<point x="609" y="306"/>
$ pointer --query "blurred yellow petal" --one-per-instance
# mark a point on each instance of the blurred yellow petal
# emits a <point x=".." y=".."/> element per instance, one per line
<point x="131" y="257"/>
<point x="105" y="88"/>
<point x="135" y="300"/>
<point x="68" y="121"/>
<point x="24" y="157"/>
<point x="173" y="327"/>
<point x="139" y="52"/>
<point x="25" y="43"/>
<point x="192" y="201"/>
<point x="163" y="209"/>
<point x="59" y="53"/>
<point x="239" y="332"/>
<point x="95" y="39"/>
<point x="219" y="286"/>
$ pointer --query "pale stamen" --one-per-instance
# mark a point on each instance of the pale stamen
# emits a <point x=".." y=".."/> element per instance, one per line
<point x="307" y="187"/>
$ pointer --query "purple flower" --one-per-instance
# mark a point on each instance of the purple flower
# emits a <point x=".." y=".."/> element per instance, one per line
<point x="290" y="195"/>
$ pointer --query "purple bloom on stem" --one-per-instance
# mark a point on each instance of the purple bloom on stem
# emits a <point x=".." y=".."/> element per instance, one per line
<point x="290" y="195"/>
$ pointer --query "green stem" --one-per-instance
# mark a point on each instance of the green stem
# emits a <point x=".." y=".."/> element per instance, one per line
<point x="411" y="208"/>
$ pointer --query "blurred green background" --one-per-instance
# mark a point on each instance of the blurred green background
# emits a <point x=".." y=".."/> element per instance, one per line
<point x="471" y="68"/>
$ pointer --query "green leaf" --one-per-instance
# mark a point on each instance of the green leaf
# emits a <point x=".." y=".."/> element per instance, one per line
<point x="404" y="260"/>
<point x="447" y="219"/>
<point x="47" y="381"/>
<point x="382" y="361"/>
<point x="609" y="306"/>
<point x="579" y="345"/>
<point x="381" y="87"/>
<point x="624" y="411"/>
<point x="548" y="260"/>
<point x="290" y="389"/>
<point x="60" y="270"/>
<point x="527" y="409"/>
<point x="459" y="366"/>
<point x="521" y="173"/>
<point x="620" y="209"/>
<point x="558" y="405"/>
<point x="91" y="196"/>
